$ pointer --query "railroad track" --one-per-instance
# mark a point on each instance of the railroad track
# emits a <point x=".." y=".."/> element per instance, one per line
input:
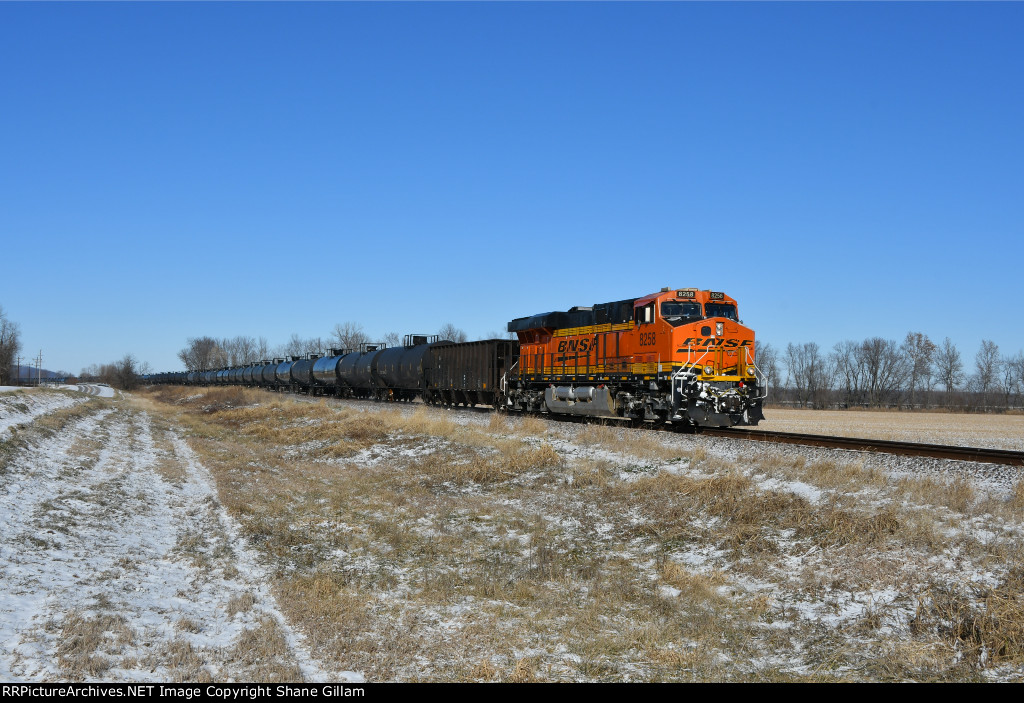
<point x="860" y="444"/>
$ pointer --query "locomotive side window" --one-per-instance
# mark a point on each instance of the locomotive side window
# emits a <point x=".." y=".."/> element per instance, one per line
<point x="644" y="315"/>
<point x="726" y="310"/>
<point x="680" y="313"/>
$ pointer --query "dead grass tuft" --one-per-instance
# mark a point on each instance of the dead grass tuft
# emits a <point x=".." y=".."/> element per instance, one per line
<point x="987" y="625"/>
<point x="242" y="603"/>
<point x="515" y="460"/>
<point x="81" y="640"/>
<point x="693" y="587"/>
<point x="531" y="426"/>
<point x="957" y="494"/>
<point x="263" y="653"/>
<point x="835" y="526"/>
<point x="523" y="672"/>
<point x="1016" y="500"/>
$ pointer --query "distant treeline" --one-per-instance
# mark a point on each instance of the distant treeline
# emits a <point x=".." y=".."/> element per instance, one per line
<point x="884" y="373"/>
<point x="205" y="353"/>
<point x="123" y="374"/>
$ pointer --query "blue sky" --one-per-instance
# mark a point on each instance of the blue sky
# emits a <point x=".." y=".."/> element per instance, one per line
<point x="173" y="170"/>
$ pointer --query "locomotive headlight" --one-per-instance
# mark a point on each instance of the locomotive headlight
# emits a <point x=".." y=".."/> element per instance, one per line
<point x="709" y="370"/>
<point x="719" y="328"/>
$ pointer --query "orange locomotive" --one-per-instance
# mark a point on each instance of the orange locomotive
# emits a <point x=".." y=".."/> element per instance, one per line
<point x="679" y="356"/>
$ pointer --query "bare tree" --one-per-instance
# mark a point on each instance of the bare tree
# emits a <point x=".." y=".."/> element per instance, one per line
<point x="10" y="345"/>
<point x="809" y="372"/>
<point x="201" y="354"/>
<point x="986" y="364"/>
<point x="884" y="369"/>
<point x="315" y="345"/>
<point x="1013" y="377"/>
<point x="349" y="335"/>
<point x="392" y="339"/>
<point x="126" y="373"/>
<point x="847" y="362"/>
<point x="919" y="351"/>
<point x="245" y="349"/>
<point x="218" y="356"/>
<point x="949" y="368"/>
<point x="766" y="357"/>
<point x="107" y="373"/>
<point x="236" y="351"/>
<point x="295" y="346"/>
<point x="1008" y="377"/>
<point x="452" y="333"/>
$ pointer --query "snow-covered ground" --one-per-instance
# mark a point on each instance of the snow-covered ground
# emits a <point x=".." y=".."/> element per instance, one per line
<point x="118" y="563"/>
<point x="20" y="408"/>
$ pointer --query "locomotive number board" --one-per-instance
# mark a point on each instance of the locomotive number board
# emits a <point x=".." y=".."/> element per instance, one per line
<point x="686" y="294"/>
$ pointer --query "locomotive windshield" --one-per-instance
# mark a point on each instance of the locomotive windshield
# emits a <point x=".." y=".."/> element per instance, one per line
<point x="680" y="313"/>
<point x="726" y="310"/>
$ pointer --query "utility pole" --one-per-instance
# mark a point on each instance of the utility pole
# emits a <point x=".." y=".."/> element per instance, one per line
<point x="39" y="369"/>
<point x="19" y="371"/>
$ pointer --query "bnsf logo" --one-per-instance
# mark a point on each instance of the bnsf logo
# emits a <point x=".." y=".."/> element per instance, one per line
<point x="577" y="345"/>
<point x="713" y="342"/>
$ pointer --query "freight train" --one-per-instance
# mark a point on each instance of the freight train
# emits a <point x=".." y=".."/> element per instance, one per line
<point x="678" y="356"/>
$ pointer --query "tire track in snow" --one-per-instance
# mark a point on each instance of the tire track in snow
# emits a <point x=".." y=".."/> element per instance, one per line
<point x="248" y="565"/>
<point x="98" y="533"/>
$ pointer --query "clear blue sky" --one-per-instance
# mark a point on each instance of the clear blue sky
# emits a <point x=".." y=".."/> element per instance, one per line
<point x="173" y="170"/>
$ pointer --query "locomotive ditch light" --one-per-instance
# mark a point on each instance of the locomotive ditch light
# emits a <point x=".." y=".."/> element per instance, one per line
<point x="750" y="370"/>
<point x="709" y="370"/>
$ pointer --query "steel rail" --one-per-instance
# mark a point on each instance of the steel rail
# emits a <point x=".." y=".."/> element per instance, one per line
<point x="980" y="455"/>
<point x="866" y="444"/>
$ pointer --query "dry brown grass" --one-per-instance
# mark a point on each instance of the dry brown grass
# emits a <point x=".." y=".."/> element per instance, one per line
<point x="493" y="551"/>
<point x="985" y="624"/>
<point x="957" y="493"/>
<point x="81" y="642"/>
<point x="635" y="443"/>
<point x="511" y="461"/>
<point x="263" y="654"/>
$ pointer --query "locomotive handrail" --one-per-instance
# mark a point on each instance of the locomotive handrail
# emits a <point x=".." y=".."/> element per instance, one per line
<point x="758" y="373"/>
<point x="504" y="376"/>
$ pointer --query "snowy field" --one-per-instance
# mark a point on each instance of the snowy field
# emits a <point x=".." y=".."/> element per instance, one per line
<point x="21" y="405"/>
<point x="117" y="562"/>
<point x="223" y="534"/>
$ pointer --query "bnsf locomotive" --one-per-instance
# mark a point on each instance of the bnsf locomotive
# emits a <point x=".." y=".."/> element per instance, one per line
<point x="678" y="356"/>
